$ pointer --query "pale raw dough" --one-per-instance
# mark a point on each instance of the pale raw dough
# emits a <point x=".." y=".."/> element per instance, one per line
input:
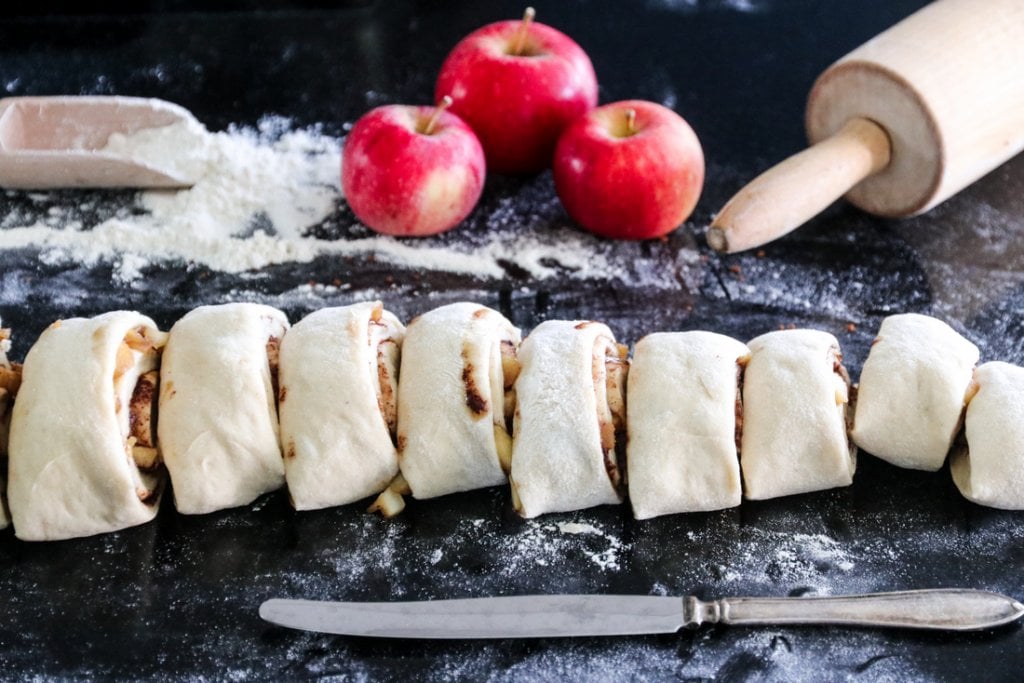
<point x="337" y="446"/>
<point x="794" y="416"/>
<point x="450" y="397"/>
<point x="218" y="421"/>
<point x="682" y="402"/>
<point x="911" y="394"/>
<point x="558" y="463"/>
<point x="70" y="473"/>
<point x="5" y="425"/>
<point x="990" y="469"/>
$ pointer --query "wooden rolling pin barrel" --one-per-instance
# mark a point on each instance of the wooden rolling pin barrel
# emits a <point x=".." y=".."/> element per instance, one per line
<point x="898" y="125"/>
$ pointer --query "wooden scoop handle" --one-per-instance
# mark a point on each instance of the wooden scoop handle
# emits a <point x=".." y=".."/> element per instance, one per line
<point x="788" y="195"/>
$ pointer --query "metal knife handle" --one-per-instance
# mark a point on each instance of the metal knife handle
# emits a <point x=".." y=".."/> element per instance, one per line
<point x="955" y="609"/>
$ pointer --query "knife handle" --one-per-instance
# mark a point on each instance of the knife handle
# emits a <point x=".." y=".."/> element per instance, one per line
<point x="954" y="609"/>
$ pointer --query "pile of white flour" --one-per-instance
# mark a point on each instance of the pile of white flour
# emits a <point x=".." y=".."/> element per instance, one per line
<point x="182" y="149"/>
<point x="257" y="196"/>
<point x="250" y="204"/>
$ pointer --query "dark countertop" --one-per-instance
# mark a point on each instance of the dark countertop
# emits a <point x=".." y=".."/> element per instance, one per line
<point x="177" y="598"/>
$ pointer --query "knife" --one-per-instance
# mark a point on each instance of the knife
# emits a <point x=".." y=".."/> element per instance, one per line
<point x="543" y="616"/>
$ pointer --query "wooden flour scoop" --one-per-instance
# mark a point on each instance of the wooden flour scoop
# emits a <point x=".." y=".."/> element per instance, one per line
<point x="64" y="141"/>
<point x="898" y="125"/>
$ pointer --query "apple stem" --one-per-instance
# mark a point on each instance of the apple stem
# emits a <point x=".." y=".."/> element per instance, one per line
<point x="630" y="121"/>
<point x="445" y="102"/>
<point x="524" y="30"/>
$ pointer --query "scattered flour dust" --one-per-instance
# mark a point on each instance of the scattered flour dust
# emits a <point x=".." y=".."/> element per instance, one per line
<point x="258" y="196"/>
<point x="545" y="544"/>
<point x="813" y="562"/>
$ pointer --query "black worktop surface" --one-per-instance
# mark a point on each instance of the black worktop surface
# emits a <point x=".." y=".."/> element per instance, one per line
<point x="177" y="598"/>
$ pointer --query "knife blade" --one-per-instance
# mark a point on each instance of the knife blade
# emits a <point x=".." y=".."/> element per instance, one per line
<point x="546" y="616"/>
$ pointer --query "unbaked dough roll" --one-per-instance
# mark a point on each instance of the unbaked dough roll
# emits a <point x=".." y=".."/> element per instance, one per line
<point x="910" y="399"/>
<point x="338" y="404"/>
<point x="218" y="417"/>
<point x="990" y="469"/>
<point x="458" y="366"/>
<point x="83" y="459"/>
<point x="570" y="418"/>
<point x="795" y="396"/>
<point x="683" y="416"/>
<point x="10" y="380"/>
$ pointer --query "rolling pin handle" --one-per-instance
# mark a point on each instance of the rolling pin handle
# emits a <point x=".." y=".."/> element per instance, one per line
<point x="788" y="195"/>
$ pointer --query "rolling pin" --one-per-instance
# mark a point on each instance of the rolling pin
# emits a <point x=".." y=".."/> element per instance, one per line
<point x="898" y="125"/>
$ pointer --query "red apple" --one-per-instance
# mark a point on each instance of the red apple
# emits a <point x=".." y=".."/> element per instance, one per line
<point x="629" y="170"/>
<point x="518" y="84"/>
<point x="412" y="171"/>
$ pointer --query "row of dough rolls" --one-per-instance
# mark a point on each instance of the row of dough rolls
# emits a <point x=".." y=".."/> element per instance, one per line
<point x="920" y="386"/>
<point x="704" y="407"/>
<point x="348" y="403"/>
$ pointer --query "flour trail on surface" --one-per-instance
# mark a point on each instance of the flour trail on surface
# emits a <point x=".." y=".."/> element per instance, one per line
<point x="272" y="195"/>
